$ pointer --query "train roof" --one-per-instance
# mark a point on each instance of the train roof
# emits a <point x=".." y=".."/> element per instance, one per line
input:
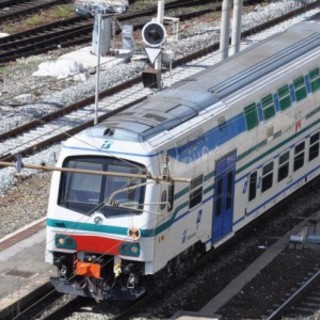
<point x="174" y="106"/>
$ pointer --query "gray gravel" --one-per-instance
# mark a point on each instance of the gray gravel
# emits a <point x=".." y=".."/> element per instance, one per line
<point x="35" y="96"/>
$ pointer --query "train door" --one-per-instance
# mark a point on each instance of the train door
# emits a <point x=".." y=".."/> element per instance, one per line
<point x="223" y="196"/>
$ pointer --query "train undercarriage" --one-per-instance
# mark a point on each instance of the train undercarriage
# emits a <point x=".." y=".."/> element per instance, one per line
<point x="102" y="278"/>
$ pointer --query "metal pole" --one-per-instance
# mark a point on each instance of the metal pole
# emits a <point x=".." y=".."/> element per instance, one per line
<point x="225" y="29"/>
<point x="98" y="16"/>
<point x="236" y="27"/>
<point x="96" y="172"/>
<point x="160" y="11"/>
<point x="160" y="16"/>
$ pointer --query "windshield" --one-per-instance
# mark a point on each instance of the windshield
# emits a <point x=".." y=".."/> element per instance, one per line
<point x="110" y="195"/>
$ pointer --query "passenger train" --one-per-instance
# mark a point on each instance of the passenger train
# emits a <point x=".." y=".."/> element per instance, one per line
<point x="178" y="174"/>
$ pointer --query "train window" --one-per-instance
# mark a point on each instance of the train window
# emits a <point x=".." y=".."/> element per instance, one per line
<point x="314" y="80"/>
<point x="196" y="181"/>
<point x="110" y="195"/>
<point x="219" y="196"/>
<point x="170" y="197"/>
<point x="298" y="156"/>
<point x="196" y="194"/>
<point x="82" y="190"/>
<point x="268" y="107"/>
<point x="251" y="116"/>
<point x="229" y="190"/>
<point x="163" y="200"/>
<point x="253" y="185"/>
<point x="300" y="88"/>
<point x="284" y="97"/>
<point x="314" y="146"/>
<point x="267" y="177"/>
<point x="222" y="123"/>
<point x="195" y="197"/>
<point x="283" y="170"/>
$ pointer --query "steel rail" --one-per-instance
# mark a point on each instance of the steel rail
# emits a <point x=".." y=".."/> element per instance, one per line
<point x="28" y="43"/>
<point x="19" y="9"/>
<point x="32" y="33"/>
<point x="9" y="3"/>
<point x="249" y="32"/>
<point x="285" y="305"/>
<point x="70" y="108"/>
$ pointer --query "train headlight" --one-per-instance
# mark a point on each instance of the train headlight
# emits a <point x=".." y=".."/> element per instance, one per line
<point x="130" y="249"/>
<point x="65" y="242"/>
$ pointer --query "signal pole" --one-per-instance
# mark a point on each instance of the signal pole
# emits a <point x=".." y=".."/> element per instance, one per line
<point x="158" y="64"/>
<point x="97" y="70"/>
<point x="236" y="27"/>
<point x="225" y="29"/>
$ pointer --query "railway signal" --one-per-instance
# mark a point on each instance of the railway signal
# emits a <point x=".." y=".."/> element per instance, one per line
<point x="153" y="34"/>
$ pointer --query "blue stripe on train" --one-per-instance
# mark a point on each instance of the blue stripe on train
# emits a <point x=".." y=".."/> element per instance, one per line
<point x="215" y="137"/>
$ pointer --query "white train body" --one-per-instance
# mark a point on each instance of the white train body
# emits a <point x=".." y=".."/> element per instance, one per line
<point x="246" y="134"/>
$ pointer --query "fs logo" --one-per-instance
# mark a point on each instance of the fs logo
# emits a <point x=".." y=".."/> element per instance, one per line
<point x="107" y="145"/>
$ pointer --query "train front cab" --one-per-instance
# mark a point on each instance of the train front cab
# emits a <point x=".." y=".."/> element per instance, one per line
<point x="93" y="229"/>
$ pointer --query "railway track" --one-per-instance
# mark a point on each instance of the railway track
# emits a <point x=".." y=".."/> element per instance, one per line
<point x="56" y="127"/>
<point x="59" y="125"/>
<point x="78" y="120"/>
<point x="78" y="30"/>
<point x="42" y="39"/>
<point x="223" y="266"/>
<point x="303" y="303"/>
<point x="119" y="311"/>
<point x="14" y="10"/>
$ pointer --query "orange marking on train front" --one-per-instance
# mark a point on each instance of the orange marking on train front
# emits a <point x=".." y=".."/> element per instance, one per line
<point x="88" y="269"/>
